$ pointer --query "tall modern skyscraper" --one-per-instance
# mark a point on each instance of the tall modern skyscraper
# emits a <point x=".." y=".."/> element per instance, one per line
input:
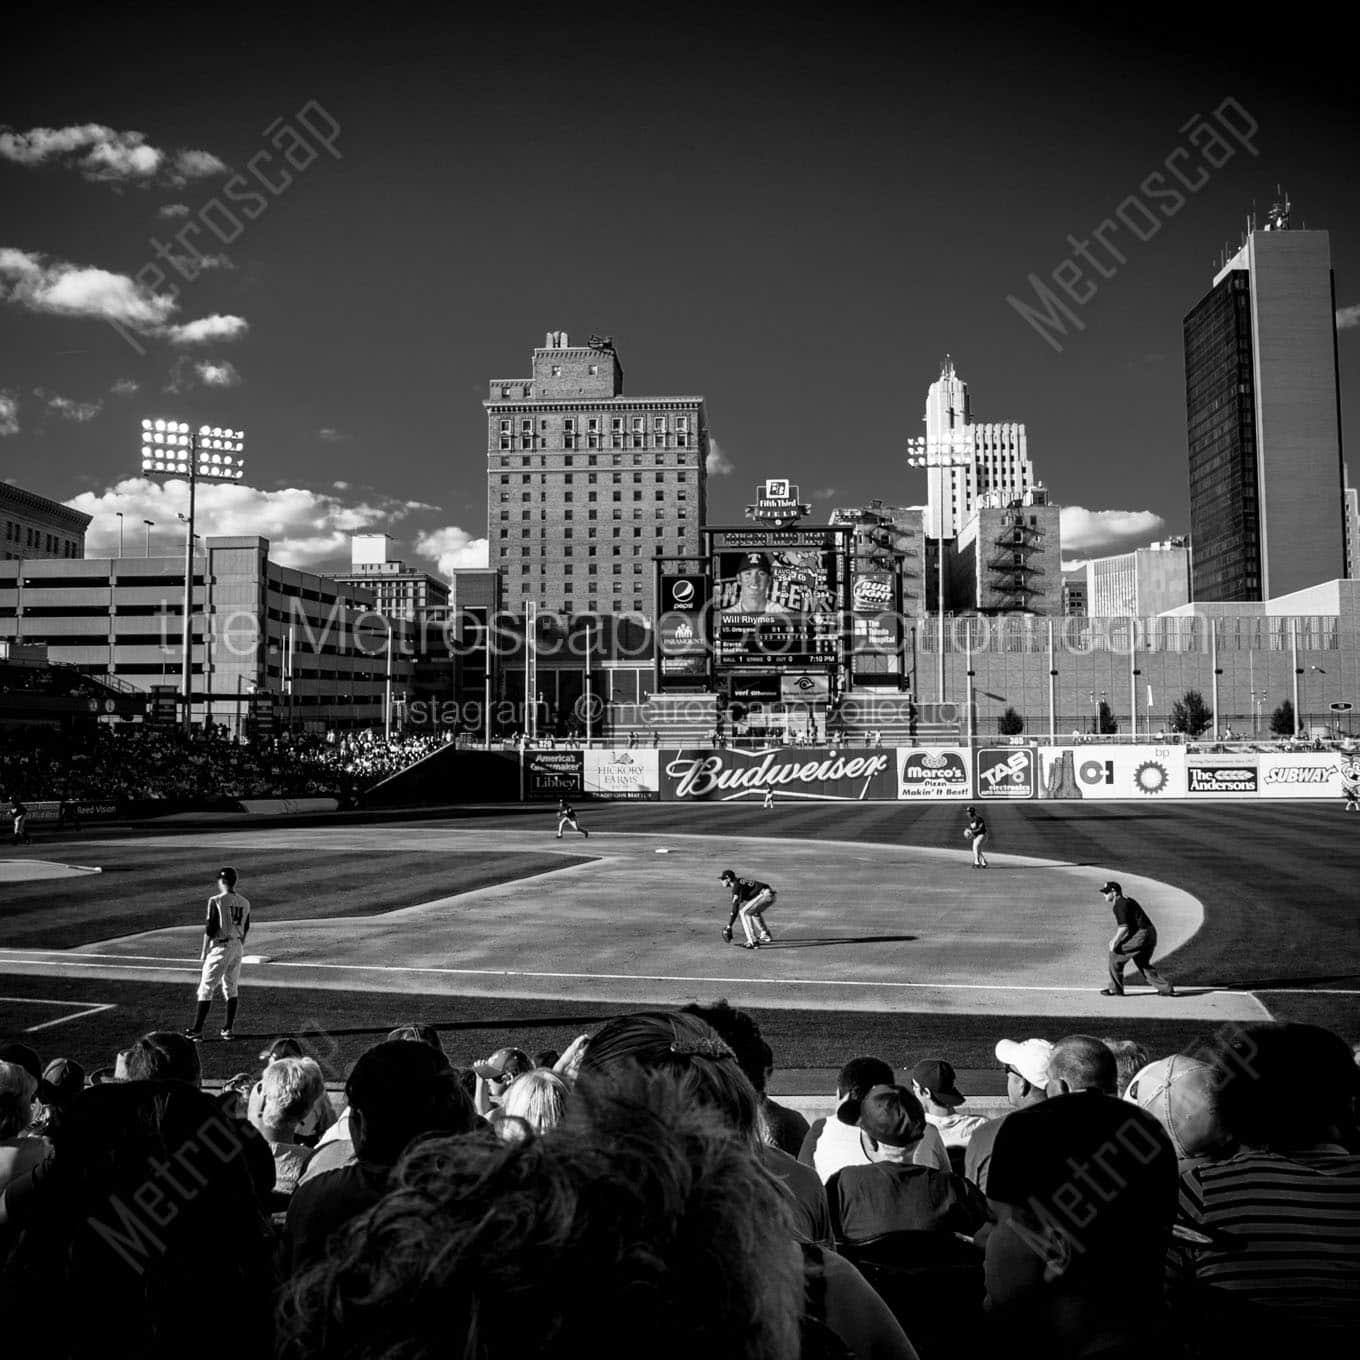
<point x="586" y="486"/>
<point x="1263" y="419"/>
<point x="992" y="456"/>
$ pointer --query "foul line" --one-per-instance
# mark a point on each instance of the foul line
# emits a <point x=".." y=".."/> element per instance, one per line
<point x="61" y="1019"/>
<point x="177" y="966"/>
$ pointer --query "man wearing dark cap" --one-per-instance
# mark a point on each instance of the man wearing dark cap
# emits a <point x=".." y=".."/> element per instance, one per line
<point x="494" y="1075"/>
<point x="1083" y="1192"/>
<point x="893" y="1193"/>
<point x="755" y="576"/>
<point x="1134" y="941"/>
<point x="934" y="1084"/>
<point x="224" y="938"/>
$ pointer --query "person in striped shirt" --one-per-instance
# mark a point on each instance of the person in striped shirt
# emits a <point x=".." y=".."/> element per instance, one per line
<point x="1283" y="1210"/>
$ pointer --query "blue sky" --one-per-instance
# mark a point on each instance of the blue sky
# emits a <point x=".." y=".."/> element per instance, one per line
<point x="795" y="217"/>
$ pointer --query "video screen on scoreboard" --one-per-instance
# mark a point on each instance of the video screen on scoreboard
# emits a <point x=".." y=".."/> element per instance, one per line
<point x="777" y="599"/>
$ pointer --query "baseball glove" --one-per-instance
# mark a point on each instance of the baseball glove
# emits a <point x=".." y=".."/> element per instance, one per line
<point x="727" y="934"/>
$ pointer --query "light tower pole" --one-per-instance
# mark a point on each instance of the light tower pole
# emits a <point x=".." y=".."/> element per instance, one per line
<point x="171" y="448"/>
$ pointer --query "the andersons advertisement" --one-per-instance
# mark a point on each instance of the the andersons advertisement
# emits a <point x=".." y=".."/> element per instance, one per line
<point x="805" y="774"/>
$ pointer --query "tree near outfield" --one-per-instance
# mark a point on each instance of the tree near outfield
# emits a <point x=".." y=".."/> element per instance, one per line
<point x="1190" y="714"/>
<point x="1011" y="724"/>
<point x="1105" y="719"/>
<point x="1282" y="720"/>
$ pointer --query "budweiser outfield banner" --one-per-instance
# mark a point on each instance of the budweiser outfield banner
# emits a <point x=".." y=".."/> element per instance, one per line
<point x="1109" y="771"/>
<point x="810" y="774"/>
<point x="1222" y="776"/>
<point x="622" y="774"/>
<point x="1321" y="774"/>
<point x="553" y="774"/>
<point x="1006" y="772"/>
<point x="933" y="772"/>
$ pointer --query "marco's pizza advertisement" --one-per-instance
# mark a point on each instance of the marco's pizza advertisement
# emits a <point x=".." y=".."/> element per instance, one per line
<point x="932" y="772"/>
<point x="1108" y="771"/>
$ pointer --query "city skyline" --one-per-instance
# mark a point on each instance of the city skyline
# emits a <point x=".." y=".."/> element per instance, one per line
<point x="796" y="222"/>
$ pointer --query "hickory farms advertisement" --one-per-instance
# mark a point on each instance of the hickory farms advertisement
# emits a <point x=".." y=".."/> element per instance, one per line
<point x="622" y="774"/>
<point x="934" y="772"/>
<point x="792" y="772"/>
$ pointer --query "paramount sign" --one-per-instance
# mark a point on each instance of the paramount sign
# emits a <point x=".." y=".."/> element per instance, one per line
<point x="823" y="775"/>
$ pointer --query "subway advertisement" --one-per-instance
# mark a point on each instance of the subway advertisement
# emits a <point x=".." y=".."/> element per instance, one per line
<point x="794" y="774"/>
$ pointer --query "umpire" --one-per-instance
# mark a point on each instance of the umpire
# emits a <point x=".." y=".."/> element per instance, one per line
<point x="1134" y="941"/>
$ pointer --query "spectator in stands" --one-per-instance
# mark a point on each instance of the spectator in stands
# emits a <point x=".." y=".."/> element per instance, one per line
<point x="143" y="1217"/>
<point x="63" y="1081"/>
<point x="396" y="1091"/>
<point x="1026" y="1065"/>
<point x="494" y="1075"/>
<point x="640" y="1222"/>
<point x="162" y="1056"/>
<point x="832" y="1144"/>
<point x="20" y="1151"/>
<point x="1084" y="1195"/>
<point x="893" y="1194"/>
<point x="689" y="1053"/>
<point x="812" y="1220"/>
<point x="935" y="1085"/>
<point x="547" y="1058"/>
<point x="1130" y="1057"/>
<point x="1289" y="1195"/>
<point x="419" y="1034"/>
<point x="284" y="1095"/>
<point x="779" y="1125"/>
<point x="1081" y="1062"/>
<point x="533" y="1104"/>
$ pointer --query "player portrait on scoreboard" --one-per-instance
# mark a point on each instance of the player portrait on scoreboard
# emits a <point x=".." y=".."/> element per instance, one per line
<point x="754" y="581"/>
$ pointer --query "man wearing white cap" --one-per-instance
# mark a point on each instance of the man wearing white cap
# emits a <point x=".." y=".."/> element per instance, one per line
<point x="1026" y="1064"/>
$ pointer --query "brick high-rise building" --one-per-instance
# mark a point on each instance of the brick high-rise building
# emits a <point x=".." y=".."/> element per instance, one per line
<point x="585" y="486"/>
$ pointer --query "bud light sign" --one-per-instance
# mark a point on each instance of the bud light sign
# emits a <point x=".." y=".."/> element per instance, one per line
<point x="1005" y="772"/>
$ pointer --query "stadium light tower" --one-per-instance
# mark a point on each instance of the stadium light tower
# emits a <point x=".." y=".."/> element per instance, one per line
<point x="171" y="448"/>
<point x="939" y="454"/>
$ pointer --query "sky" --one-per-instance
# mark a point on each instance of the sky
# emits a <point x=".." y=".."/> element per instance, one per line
<point x="332" y="232"/>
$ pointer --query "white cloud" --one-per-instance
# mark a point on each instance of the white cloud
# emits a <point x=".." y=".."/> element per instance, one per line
<point x="340" y="486"/>
<point x="1347" y="318"/>
<point x="217" y="373"/>
<point x="718" y="463"/>
<point x="330" y="436"/>
<point x="189" y="267"/>
<point x="101" y="153"/>
<point x="67" y="408"/>
<point x="124" y="387"/>
<point x="1083" y="530"/>
<point x="305" y="528"/>
<point x="451" y="547"/>
<point x="825" y="494"/>
<point x="59" y="288"/>
<point x="9" y="413"/>
<point x="206" y="329"/>
<point x="173" y="210"/>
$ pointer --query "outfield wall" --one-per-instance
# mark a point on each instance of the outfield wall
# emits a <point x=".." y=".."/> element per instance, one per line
<point x="1147" y="773"/>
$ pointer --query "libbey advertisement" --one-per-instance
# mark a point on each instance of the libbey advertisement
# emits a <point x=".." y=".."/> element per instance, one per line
<point x="933" y="773"/>
<point x="552" y="774"/>
<point x="778" y="598"/>
<point x="810" y="775"/>
<point x="682" y="629"/>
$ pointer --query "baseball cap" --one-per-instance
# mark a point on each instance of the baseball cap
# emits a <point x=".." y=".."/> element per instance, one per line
<point x="228" y="875"/>
<point x="755" y="559"/>
<point x="103" y="1076"/>
<point x="937" y="1076"/>
<point x="1045" y="1154"/>
<point x="420" y="1034"/>
<point x="890" y="1115"/>
<point x="1113" y="887"/>
<point x="726" y="873"/>
<point x="1029" y="1057"/>
<point x="284" y="1047"/>
<point x="24" y="1057"/>
<point x="62" y="1080"/>
<point x="505" y="1064"/>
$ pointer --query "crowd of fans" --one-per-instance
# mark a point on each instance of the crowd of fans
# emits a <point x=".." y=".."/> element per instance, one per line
<point x="144" y="762"/>
<point x="642" y="1190"/>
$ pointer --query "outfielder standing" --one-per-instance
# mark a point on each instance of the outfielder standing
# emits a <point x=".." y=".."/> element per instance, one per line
<point x="976" y="832"/>
<point x="567" y="817"/>
<point x="769" y="796"/>
<point x="19" y="815"/>
<point x="750" y="900"/>
<point x="224" y="937"/>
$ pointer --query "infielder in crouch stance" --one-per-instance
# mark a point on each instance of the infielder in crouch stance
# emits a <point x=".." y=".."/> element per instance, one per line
<point x="750" y="899"/>
<point x="224" y="937"/>
<point x="566" y="816"/>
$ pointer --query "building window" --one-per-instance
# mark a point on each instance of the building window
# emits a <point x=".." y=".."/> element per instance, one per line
<point x="505" y="394"/>
<point x="682" y="432"/>
<point x="505" y="434"/>
<point x="594" y="370"/>
<point x="592" y="495"/>
<point x="618" y="495"/>
<point x="660" y="476"/>
<point x="637" y="495"/>
<point x="569" y="433"/>
<point x="660" y="495"/>
<point x="528" y="390"/>
<point x="568" y="495"/>
<point x="557" y="370"/>
<point x="593" y="434"/>
<point x="617" y="550"/>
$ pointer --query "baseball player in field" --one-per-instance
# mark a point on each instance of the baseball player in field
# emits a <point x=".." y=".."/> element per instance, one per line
<point x="566" y="816"/>
<point x="976" y="832"/>
<point x="769" y="796"/>
<point x="1351" y="793"/>
<point x="750" y="900"/>
<point x="19" y="816"/>
<point x="224" y="938"/>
